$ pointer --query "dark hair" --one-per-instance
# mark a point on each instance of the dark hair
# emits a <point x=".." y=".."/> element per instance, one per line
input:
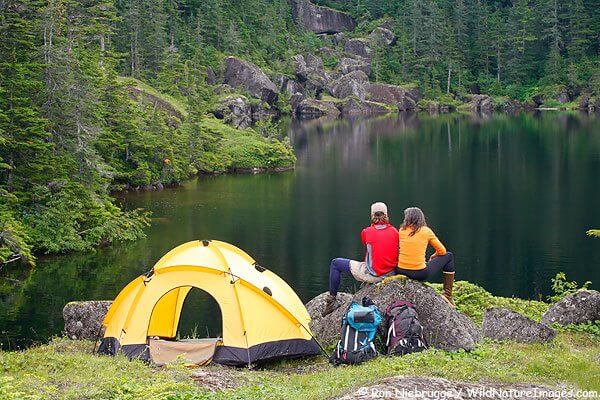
<point x="379" y="217"/>
<point x="414" y="219"/>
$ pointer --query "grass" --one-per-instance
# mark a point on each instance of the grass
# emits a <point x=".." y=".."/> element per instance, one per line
<point x="67" y="369"/>
<point x="175" y="103"/>
<point x="246" y="148"/>
<point x="473" y="300"/>
<point x="551" y="364"/>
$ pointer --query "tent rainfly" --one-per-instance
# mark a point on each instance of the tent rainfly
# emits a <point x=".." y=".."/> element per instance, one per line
<point x="263" y="318"/>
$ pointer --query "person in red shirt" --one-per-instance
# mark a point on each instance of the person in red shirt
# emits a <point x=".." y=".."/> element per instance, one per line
<point x="381" y="258"/>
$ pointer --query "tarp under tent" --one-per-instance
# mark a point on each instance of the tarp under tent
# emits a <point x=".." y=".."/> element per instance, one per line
<point x="263" y="318"/>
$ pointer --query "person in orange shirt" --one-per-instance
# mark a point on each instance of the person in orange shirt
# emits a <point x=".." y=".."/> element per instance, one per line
<point x="415" y="236"/>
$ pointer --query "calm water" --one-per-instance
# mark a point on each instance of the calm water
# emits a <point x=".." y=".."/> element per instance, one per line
<point x="512" y="197"/>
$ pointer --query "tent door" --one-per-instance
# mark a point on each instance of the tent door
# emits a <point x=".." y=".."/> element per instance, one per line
<point x="193" y="351"/>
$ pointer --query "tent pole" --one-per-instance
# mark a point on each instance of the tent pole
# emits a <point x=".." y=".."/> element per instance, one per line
<point x="315" y="339"/>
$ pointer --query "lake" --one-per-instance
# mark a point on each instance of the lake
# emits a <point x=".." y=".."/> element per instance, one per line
<point x="510" y="196"/>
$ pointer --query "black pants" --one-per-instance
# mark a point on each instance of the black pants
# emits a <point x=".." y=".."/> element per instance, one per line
<point x="445" y="263"/>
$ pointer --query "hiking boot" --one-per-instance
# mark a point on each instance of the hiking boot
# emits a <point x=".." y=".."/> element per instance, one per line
<point x="330" y="305"/>
<point x="448" y="283"/>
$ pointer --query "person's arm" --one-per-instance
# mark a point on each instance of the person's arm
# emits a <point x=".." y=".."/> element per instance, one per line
<point x="440" y="250"/>
<point x="363" y="237"/>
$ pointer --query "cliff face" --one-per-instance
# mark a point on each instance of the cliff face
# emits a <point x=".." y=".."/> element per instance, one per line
<point x="320" y="19"/>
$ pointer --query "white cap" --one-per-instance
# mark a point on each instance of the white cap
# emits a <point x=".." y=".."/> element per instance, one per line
<point x="379" y="207"/>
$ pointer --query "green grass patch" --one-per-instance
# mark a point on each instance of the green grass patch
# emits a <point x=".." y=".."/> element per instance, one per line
<point x="245" y="149"/>
<point x="67" y="370"/>
<point x="473" y="300"/>
<point x="331" y="99"/>
<point x="175" y="103"/>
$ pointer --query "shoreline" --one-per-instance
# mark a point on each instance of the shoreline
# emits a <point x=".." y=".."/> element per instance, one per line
<point x="569" y="361"/>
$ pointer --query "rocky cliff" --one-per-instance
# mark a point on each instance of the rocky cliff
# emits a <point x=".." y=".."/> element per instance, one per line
<point x="320" y="19"/>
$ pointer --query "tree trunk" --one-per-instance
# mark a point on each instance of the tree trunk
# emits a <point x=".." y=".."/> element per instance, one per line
<point x="449" y="78"/>
<point x="498" y="62"/>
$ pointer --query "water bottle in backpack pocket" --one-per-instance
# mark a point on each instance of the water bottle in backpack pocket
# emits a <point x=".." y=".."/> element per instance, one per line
<point x="403" y="331"/>
<point x="359" y="326"/>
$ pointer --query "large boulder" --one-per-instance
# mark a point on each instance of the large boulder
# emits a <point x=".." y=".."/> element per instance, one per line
<point x="584" y="102"/>
<point x="262" y="111"/>
<point x="320" y="19"/>
<point x="234" y="110"/>
<point x="310" y="72"/>
<point x="414" y="93"/>
<point x="240" y="73"/>
<point x="512" y="106"/>
<point x="353" y="107"/>
<point x="359" y="47"/>
<point x="357" y="63"/>
<point x="407" y="103"/>
<point x="503" y="324"/>
<point x="83" y="319"/>
<point x="394" y="95"/>
<point x="211" y="77"/>
<point x="313" y="108"/>
<point x="339" y="39"/>
<point x="289" y="85"/>
<point x="383" y="36"/>
<point x="295" y="101"/>
<point x="384" y="93"/>
<point x="482" y="103"/>
<point x="562" y="96"/>
<point x="444" y="327"/>
<point x="352" y="84"/>
<point x="576" y="308"/>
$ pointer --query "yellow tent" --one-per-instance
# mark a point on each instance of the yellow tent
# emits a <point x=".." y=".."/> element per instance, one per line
<point x="263" y="318"/>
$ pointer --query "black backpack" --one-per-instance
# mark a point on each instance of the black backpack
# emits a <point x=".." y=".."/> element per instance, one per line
<point x="403" y="332"/>
<point x="359" y="327"/>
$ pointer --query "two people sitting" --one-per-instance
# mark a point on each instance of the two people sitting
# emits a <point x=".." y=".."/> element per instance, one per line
<point x="390" y="251"/>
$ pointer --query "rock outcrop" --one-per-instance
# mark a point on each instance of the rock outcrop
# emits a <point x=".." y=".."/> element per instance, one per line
<point x="576" y="308"/>
<point x="444" y="327"/>
<point x="354" y="107"/>
<point x="211" y="77"/>
<point x="348" y="65"/>
<point x="512" y="107"/>
<point x="402" y="99"/>
<point x="339" y="39"/>
<point x="311" y="73"/>
<point x="83" y="319"/>
<point x="289" y="85"/>
<point x="420" y="387"/>
<point x="482" y="104"/>
<point x="351" y="84"/>
<point x="240" y="73"/>
<point x="383" y="36"/>
<point x="589" y="103"/>
<point x="320" y="19"/>
<point x="562" y="96"/>
<point x="503" y="324"/>
<point x="313" y="108"/>
<point x="235" y="111"/>
<point x="359" y="47"/>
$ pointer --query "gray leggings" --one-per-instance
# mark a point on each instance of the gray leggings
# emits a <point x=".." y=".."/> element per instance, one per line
<point x="445" y="263"/>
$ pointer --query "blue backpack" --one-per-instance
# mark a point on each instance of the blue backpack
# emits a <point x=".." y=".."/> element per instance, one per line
<point x="359" y="327"/>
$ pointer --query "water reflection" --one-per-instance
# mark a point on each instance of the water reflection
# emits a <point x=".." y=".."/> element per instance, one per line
<point x="511" y="196"/>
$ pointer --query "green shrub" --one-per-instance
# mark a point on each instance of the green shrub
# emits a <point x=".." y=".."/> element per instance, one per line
<point x="473" y="300"/>
<point x="589" y="327"/>
<point x="562" y="287"/>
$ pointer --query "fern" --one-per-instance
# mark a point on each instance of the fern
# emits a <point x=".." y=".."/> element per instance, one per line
<point x="594" y="233"/>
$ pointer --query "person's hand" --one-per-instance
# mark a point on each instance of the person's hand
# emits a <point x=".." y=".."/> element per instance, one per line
<point x="434" y="255"/>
